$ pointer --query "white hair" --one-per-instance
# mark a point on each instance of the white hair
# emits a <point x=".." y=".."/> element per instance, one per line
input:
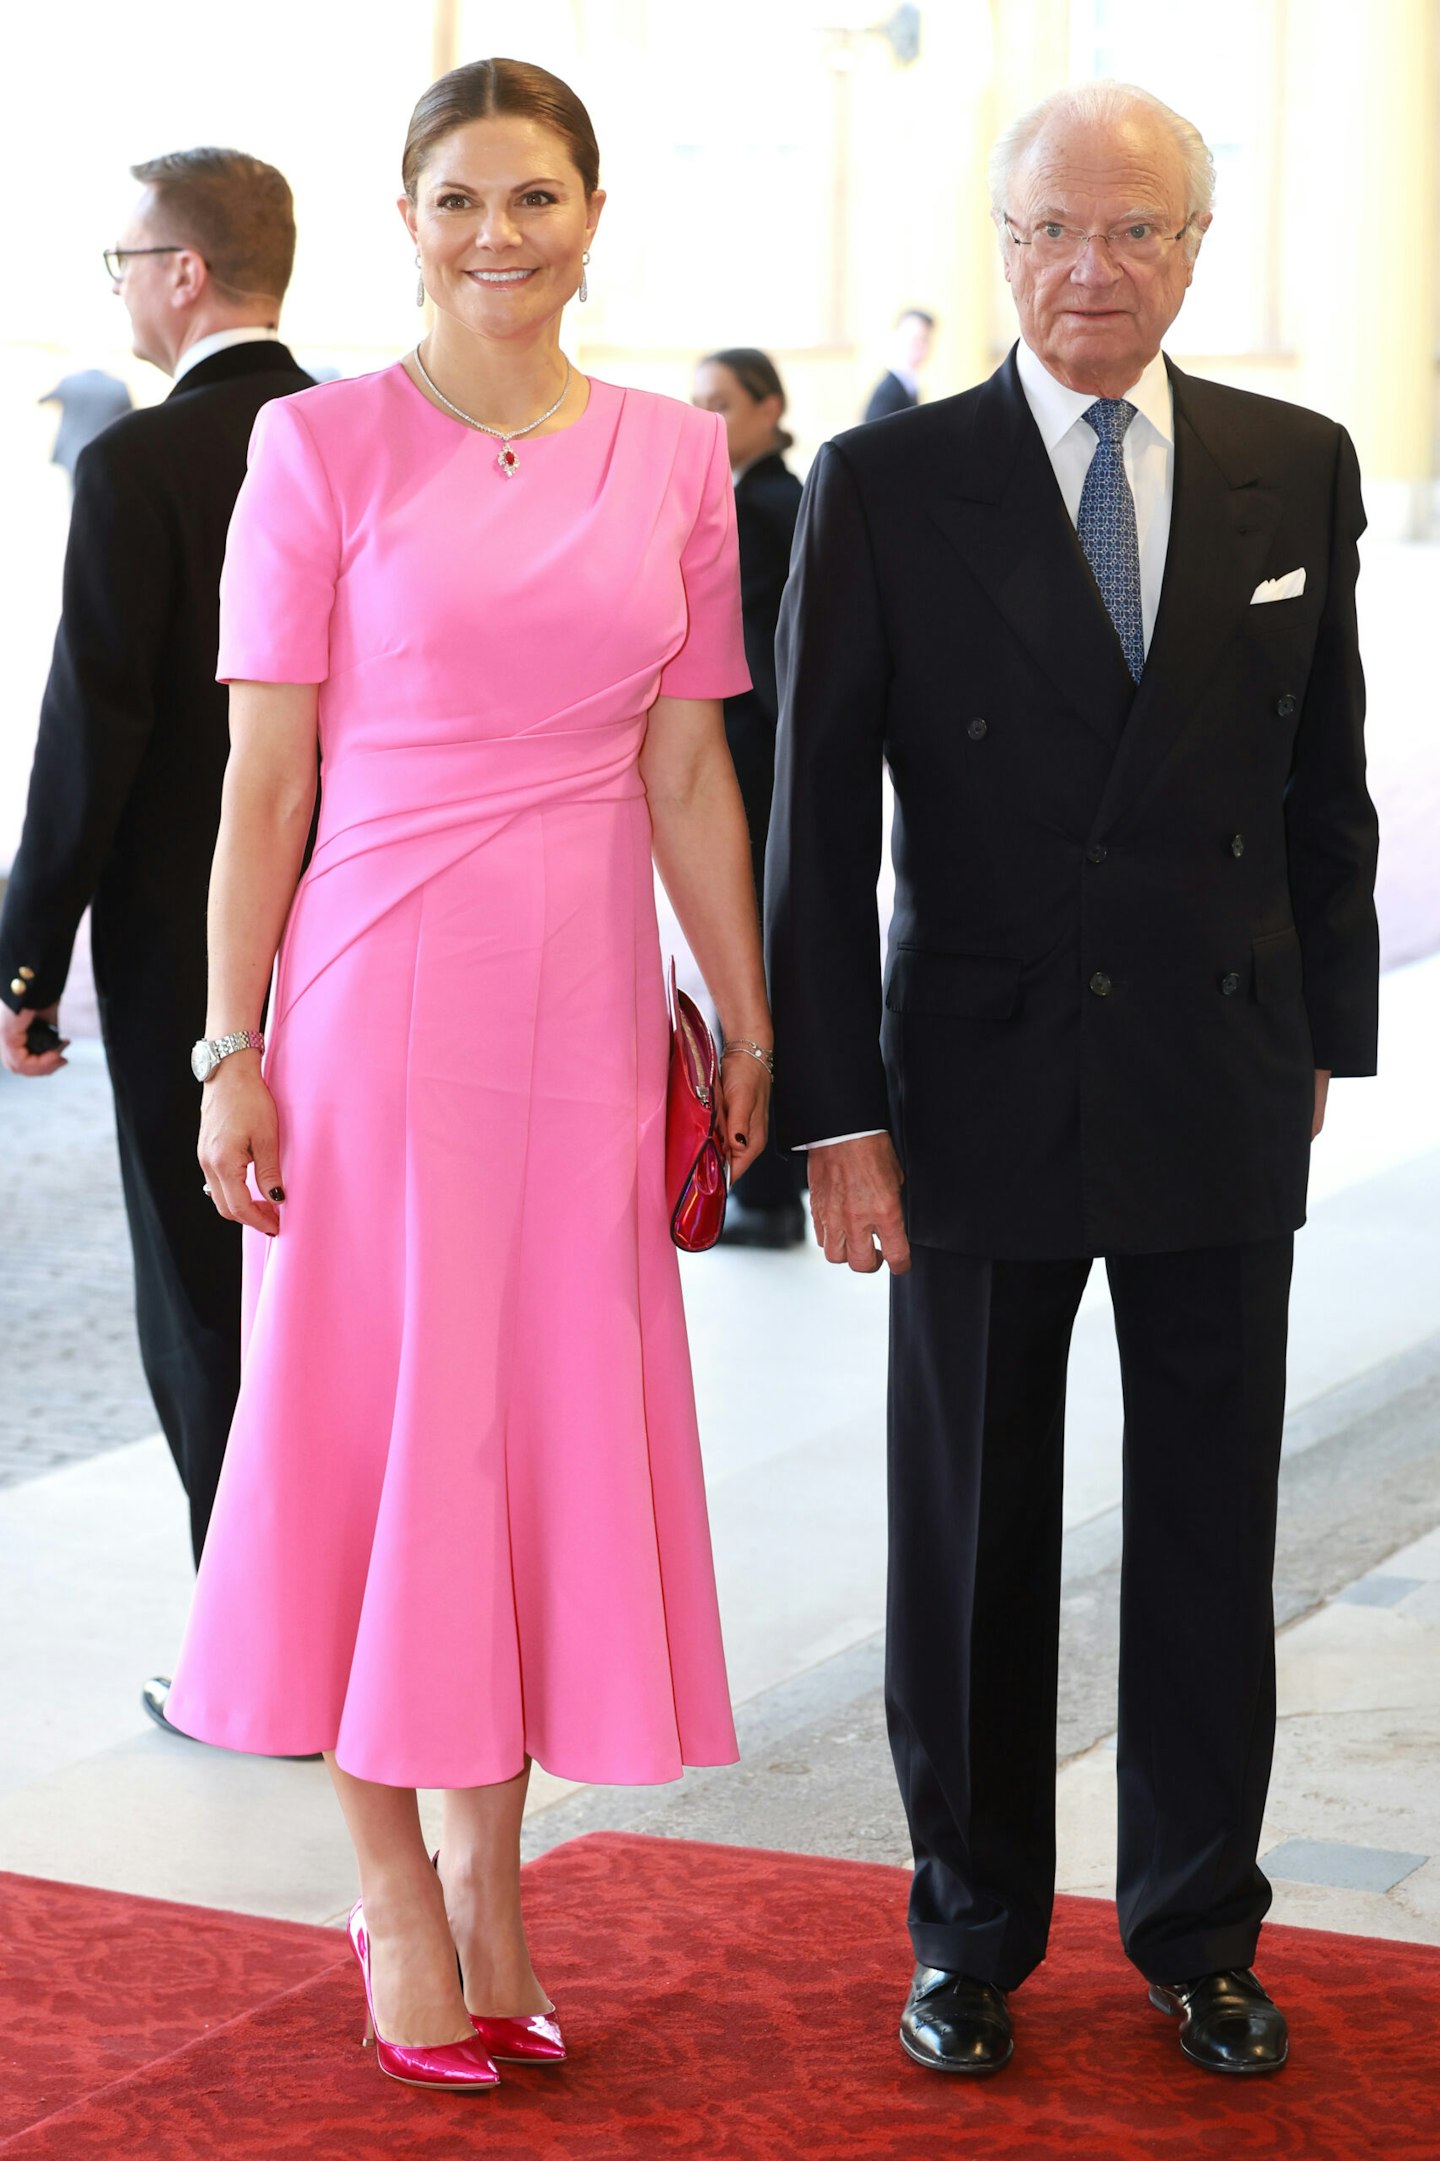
<point x="1097" y="105"/>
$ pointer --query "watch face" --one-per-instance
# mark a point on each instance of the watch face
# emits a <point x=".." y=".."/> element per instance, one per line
<point x="202" y="1061"/>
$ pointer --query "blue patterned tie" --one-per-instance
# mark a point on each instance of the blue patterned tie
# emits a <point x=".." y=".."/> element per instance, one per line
<point x="1106" y="528"/>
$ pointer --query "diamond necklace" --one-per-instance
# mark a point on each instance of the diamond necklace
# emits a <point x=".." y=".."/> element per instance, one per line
<point x="505" y="457"/>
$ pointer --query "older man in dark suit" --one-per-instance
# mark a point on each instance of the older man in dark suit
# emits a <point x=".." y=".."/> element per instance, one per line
<point x="1099" y="619"/>
<point x="125" y="793"/>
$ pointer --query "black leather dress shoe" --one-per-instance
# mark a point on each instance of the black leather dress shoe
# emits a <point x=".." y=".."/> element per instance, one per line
<point x="154" y="1695"/>
<point x="1227" y="2022"/>
<point x="953" y="2023"/>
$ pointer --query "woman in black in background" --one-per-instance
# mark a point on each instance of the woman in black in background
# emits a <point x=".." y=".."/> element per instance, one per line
<point x="743" y="385"/>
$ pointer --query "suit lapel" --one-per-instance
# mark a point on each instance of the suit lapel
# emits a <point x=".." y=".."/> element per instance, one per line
<point x="1221" y="522"/>
<point x="1003" y="511"/>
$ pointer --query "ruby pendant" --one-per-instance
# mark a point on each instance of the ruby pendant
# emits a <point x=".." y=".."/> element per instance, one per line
<point x="507" y="461"/>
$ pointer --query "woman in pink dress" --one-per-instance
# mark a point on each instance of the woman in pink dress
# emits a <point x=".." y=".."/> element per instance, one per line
<point x="462" y="1520"/>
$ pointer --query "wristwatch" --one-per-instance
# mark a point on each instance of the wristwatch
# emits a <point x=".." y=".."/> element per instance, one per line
<point x="208" y="1053"/>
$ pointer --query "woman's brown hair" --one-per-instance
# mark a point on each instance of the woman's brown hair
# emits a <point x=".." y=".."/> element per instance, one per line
<point x="483" y="88"/>
<point x="758" y="377"/>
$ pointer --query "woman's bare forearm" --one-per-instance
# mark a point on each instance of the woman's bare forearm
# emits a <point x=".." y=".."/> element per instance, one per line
<point x="266" y="808"/>
<point x="702" y="852"/>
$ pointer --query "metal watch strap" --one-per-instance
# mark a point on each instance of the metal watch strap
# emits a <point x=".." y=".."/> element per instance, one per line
<point x="240" y="1039"/>
<point x="221" y="1047"/>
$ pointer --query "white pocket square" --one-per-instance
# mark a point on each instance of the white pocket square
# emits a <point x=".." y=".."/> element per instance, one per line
<point x="1290" y="587"/>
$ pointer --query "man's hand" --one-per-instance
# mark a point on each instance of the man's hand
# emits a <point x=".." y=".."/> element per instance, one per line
<point x="855" y="1204"/>
<point x="1322" y="1089"/>
<point x="13" y="1049"/>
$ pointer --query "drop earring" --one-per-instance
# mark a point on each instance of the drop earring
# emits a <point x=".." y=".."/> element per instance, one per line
<point x="584" y="292"/>
<point x="419" y="286"/>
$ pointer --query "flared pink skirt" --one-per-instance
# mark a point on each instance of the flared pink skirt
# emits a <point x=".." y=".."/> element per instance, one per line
<point x="462" y="1516"/>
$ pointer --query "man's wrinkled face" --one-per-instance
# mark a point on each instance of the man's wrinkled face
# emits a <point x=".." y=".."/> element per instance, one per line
<point x="1097" y="320"/>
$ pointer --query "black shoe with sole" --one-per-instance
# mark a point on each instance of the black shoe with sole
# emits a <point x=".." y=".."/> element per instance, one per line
<point x="952" y="2022"/>
<point x="154" y="1699"/>
<point x="154" y="1695"/>
<point x="1227" y="2022"/>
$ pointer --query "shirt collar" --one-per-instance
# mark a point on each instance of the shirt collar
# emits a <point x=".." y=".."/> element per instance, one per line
<point x="220" y="341"/>
<point x="1057" y="409"/>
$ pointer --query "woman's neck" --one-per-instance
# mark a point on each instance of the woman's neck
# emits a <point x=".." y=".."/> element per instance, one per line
<point x="506" y="383"/>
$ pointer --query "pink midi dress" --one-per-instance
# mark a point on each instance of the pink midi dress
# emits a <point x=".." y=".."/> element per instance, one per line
<point x="462" y="1515"/>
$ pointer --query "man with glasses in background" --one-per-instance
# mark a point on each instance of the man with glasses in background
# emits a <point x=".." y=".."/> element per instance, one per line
<point x="124" y="797"/>
<point x="1099" y="619"/>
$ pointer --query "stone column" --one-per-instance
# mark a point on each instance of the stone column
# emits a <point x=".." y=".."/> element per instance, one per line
<point x="1359" y="237"/>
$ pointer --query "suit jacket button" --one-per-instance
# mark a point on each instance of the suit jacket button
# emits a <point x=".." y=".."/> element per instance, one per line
<point x="977" y="730"/>
<point x="1237" y="844"/>
<point x="1096" y="852"/>
<point x="1100" y="983"/>
<point x="17" y="985"/>
<point x="1229" y="984"/>
<point x="1285" y="706"/>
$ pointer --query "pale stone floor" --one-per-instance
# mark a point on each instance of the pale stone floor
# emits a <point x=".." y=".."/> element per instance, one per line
<point x="789" y="1360"/>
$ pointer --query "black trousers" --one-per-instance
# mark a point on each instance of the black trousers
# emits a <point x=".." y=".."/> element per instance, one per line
<point x="978" y="1354"/>
<point x="187" y="1258"/>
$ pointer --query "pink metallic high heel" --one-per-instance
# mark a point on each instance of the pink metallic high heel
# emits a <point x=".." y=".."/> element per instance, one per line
<point x="457" y="2066"/>
<point x="537" y="2039"/>
<point x="521" y="2040"/>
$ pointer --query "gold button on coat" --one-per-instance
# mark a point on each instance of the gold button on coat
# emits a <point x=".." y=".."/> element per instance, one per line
<point x="17" y="985"/>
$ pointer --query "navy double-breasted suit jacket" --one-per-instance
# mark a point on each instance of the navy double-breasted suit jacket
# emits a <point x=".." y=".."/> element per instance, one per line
<point x="1130" y="921"/>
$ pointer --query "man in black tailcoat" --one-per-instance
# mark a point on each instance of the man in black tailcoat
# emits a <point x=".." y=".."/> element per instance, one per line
<point x="124" y="797"/>
<point x="1099" y="619"/>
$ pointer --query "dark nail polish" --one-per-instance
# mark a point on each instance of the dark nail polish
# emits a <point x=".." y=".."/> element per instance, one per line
<point x="277" y="1193"/>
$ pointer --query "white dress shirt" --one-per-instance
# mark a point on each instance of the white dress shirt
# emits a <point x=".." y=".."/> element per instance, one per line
<point x="1070" y="444"/>
<point x="218" y="342"/>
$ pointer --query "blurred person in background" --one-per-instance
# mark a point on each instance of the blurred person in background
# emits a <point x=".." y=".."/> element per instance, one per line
<point x="462" y="1522"/>
<point x="743" y="386"/>
<point x="1098" y="618"/>
<point x="89" y="400"/>
<point x="124" y="799"/>
<point x="899" y="387"/>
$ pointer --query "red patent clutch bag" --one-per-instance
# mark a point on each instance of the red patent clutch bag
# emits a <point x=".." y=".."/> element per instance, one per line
<point x="695" y="1176"/>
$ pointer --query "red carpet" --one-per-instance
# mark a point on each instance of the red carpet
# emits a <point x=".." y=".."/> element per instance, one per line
<point x="690" y="1979"/>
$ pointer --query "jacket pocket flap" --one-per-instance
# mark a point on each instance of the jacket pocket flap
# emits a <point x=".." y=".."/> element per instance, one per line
<point x="1279" y="968"/>
<point x="971" y="986"/>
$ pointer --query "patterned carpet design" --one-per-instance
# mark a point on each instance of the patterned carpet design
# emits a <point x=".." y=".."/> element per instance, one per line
<point x="721" y="2004"/>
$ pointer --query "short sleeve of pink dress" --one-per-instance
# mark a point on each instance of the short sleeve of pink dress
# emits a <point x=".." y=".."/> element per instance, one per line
<point x="710" y="655"/>
<point x="278" y="585"/>
<point x="462" y="1517"/>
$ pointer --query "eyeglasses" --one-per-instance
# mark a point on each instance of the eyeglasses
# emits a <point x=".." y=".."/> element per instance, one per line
<point x="1141" y="241"/>
<point x="117" y="258"/>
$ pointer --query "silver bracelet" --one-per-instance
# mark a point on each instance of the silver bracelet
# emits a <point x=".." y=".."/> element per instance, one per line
<point x="757" y="1051"/>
